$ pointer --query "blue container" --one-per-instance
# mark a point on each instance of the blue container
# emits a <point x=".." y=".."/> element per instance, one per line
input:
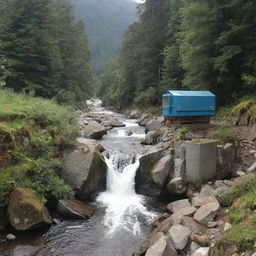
<point x="188" y="103"/>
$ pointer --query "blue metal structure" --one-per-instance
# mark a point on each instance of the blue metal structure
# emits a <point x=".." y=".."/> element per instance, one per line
<point x="188" y="103"/>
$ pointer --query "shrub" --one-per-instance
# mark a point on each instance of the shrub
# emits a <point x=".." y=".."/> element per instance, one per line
<point x="224" y="134"/>
<point x="181" y="133"/>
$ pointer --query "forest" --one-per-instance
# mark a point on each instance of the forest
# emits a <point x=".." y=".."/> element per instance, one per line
<point x="105" y="23"/>
<point x="190" y="45"/>
<point x="44" y="50"/>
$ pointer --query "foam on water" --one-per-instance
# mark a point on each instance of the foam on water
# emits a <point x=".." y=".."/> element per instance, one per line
<point x="123" y="206"/>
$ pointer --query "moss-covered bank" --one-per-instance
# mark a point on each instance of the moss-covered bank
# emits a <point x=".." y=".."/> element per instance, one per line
<point x="33" y="134"/>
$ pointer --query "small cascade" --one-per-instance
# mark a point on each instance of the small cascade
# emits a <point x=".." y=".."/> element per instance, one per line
<point x="124" y="208"/>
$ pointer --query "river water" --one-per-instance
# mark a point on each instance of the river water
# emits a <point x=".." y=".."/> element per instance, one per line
<point x="122" y="218"/>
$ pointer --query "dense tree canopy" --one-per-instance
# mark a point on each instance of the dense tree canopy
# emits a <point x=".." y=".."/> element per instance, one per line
<point x="199" y="44"/>
<point x="44" y="49"/>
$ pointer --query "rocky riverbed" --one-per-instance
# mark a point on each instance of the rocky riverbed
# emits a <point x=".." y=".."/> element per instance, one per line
<point x="142" y="200"/>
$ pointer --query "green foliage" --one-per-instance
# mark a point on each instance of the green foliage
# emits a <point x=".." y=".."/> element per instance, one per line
<point x="245" y="186"/>
<point x="192" y="45"/>
<point x="44" y="49"/>
<point x="242" y="215"/>
<point x="105" y="30"/>
<point x="33" y="132"/>
<point x="225" y="134"/>
<point x="180" y="134"/>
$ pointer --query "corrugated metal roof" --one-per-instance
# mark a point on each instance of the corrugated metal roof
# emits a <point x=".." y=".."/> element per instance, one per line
<point x="190" y="93"/>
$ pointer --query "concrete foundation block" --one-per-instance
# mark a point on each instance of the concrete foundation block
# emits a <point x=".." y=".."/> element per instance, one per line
<point x="201" y="160"/>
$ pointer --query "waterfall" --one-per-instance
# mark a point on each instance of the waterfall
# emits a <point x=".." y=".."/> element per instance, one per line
<point x="124" y="208"/>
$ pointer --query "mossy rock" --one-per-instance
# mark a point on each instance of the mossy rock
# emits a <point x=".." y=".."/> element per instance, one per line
<point x="26" y="211"/>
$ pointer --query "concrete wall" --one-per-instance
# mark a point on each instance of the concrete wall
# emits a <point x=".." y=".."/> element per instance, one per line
<point x="201" y="160"/>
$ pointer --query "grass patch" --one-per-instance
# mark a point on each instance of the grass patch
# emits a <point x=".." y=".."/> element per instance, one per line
<point x="180" y="134"/>
<point x="224" y="134"/>
<point x="33" y="134"/>
<point x="242" y="214"/>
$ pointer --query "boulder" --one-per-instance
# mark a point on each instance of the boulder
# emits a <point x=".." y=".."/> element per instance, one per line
<point x="202" y="251"/>
<point x="226" y="157"/>
<point x="180" y="236"/>
<point x="203" y="240"/>
<point x="134" y="114"/>
<point x="165" y="225"/>
<point x="143" y="120"/>
<point x="26" y="211"/>
<point x="144" y="183"/>
<point x="85" y="171"/>
<point x="151" y="138"/>
<point x="85" y="142"/>
<point x="153" y="125"/>
<point x="163" y="247"/>
<point x="113" y="123"/>
<point x="178" y="205"/>
<point x="193" y="225"/>
<point x="161" y="170"/>
<point x="186" y="211"/>
<point x="207" y="213"/>
<point x="151" y="239"/>
<point x="74" y="209"/>
<point x="94" y="130"/>
<point x="176" y="186"/>
<point x="206" y="190"/>
<point x="200" y="201"/>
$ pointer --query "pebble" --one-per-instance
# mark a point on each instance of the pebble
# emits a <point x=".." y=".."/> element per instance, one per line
<point x="227" y="226"/>
<point x="212" y="224"/>
<point x="11" y="237"/>
<point x="240" y="173"/>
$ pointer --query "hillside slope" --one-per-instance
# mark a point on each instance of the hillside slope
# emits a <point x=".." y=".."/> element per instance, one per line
<point x="105" y="22"/>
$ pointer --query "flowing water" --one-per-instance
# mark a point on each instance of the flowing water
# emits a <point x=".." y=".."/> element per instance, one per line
<point x="122" y="219"/>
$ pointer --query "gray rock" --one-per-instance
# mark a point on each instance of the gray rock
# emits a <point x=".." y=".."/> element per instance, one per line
<point x="192" y="225"/>
<point x="143" y="120"/>
<point x="151" y="138"/>
<point x="202" y="251"/>
<point x="74" y="209"/>
<point x="206" y="190"/>
<point x="179" y="168"/>
<point x="206" y="213"/>
<point x="94" y="130"/>
<point x="11" y="237"/>
<point x="225" y="161"/>
<point x="163" y="247"/>
<point x="179" y="235"/>
<point x="186" y="211"/>
<point x="153" y="125"/>
<point x="85" y="171"/>
<point x="151" y="239"/>
<point x="144" y="183"/>
<point x="165" y="225"/>
<point x="161" y="170"/>
<point x="176" y="186"/>
<point x="252" y="168"/>
<point x="113" y="123"/>
<point x="227" y="226"/>
<point x="22" y="250"/>
<point x="85" y="142"/>
<point x="56" y="221"/>
<point x="240" y="173"/>
<point x="193" y="247"/>
<point x="178" y="205"/>
<point x="180" y="150"/>
<point x="134" y="114"/>
<point x="127" y="132"/>
<point x="200" y="201"/>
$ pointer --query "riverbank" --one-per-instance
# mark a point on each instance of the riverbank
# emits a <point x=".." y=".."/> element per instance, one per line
<point x="114" y="155"/>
